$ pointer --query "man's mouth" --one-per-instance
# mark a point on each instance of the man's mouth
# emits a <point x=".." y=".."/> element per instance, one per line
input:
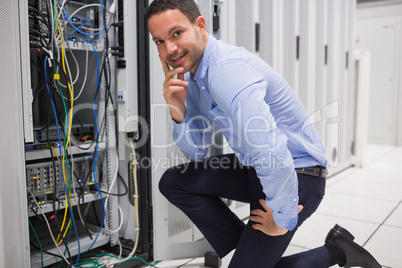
<point x="178" y="59"/>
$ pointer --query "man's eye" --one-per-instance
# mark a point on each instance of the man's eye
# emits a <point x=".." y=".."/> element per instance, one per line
<point x="158" y="42"/>
<point x="177" y="33"/>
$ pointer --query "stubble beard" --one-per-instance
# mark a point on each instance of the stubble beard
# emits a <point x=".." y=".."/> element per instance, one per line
<point x="192" y="56"/>
<point x="198" y="52"/>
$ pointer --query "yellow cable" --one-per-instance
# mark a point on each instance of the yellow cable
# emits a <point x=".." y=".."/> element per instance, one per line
<point x="63" y="166"/>
<point x="71" y="94"/>
<point x="54" y="151"/>
<point x="65" y="196"/>
<point x="65" y="232"/>
<point x="65" y="208"/>
<point x="62" y="163"/>
<point x="69" y="131"/>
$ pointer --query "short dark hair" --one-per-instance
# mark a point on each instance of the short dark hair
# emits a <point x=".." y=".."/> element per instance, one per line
<point x="188" y="7"/>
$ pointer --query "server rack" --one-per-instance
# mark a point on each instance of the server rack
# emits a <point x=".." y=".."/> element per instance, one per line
<point x="94" y="162"/>
<point x="311" y="43"/>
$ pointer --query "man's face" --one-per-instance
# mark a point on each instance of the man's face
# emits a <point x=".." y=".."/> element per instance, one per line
<point x="180" y="43"/>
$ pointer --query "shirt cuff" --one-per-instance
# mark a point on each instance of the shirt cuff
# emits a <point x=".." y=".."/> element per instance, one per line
<point x="287" y="221"/>
<point x="180" y="132"/>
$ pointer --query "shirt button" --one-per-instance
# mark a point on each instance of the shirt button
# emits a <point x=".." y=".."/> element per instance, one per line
<point x="294" y="200"/>
<point x="186" y="131"/>
<point x="293" y="216"/>
<point x="203" y="87"/>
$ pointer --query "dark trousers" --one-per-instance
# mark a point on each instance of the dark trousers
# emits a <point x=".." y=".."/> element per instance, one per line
<point x="197" y="188"/>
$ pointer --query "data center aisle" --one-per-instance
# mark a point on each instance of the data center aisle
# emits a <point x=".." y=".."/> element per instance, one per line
<point x="366" y="201"/>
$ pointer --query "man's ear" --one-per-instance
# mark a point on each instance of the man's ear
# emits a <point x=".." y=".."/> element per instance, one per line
<point x="201" y="25"/>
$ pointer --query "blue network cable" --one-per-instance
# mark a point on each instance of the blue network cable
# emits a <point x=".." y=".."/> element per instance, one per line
<point x="62" y="171"/>
<point x="84" y="21"/>
<point x="77" y="29"/>
<point x="97" y="145"/>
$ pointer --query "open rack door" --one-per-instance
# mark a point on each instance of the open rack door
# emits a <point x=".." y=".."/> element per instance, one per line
<point x="175" y="236"/>
<point x="14" y="242"/>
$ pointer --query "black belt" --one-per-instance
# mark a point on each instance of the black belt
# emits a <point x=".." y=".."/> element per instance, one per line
<point x="317" y="171"/>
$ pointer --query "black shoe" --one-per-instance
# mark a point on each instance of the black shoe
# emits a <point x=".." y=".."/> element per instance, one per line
<point x="355" y="254"/>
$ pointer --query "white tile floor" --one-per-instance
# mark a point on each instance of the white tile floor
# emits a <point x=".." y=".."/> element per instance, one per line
<point x="366" y="201"/>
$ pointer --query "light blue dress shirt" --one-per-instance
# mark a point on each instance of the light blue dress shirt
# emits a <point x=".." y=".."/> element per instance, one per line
<point x="263" y="120"/>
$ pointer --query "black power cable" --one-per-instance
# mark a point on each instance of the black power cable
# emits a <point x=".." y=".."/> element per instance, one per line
<point x="125" y="187"/>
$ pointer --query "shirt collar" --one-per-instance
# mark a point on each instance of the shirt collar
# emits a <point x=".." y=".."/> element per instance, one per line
<point x="204" y="63"/>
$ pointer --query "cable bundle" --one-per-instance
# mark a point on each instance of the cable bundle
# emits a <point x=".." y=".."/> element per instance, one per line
<point x="48" y="40"/>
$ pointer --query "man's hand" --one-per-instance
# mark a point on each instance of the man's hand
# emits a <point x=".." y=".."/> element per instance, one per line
<point x="175" y="91"/>
<point x="264" y="220"/>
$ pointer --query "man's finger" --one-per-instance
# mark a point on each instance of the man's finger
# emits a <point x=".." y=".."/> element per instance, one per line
<point x="258" y="227"/>
<point x="265" y="207"/>
<point x="299" y="208"/>
<point x="173" y="72"/>
<point x="256" y="219"/>
<point x="258" y="212"/>
<point x="173" y="89"/>
<point x="180" y="76"/>
<point x="165" y="66"/>
<point x="177" y="82"/>
<point x="170" y="73"/>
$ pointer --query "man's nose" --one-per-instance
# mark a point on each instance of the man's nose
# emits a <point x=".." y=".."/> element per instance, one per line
<point x="171" y="47"/>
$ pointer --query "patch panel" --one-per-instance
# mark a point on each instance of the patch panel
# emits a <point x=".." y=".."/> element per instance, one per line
<point x="84" y="132"/>
<point x="41" y="177"/>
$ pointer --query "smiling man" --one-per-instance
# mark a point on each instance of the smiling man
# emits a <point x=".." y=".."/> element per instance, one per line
<point x="278" y="165"/>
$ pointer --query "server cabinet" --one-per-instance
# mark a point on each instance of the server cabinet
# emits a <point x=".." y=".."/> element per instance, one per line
<point x="307" y="53"/>
<point x="247" y="18"/>
<point x="95" y="108"/>
<point x="321" y="65"/>
<point x="341" y="91"/>
<point x="334" y="82"/>
<point x="311" y="43"/>
<point x="291" y="43"/>
<point x="228" y="22"/>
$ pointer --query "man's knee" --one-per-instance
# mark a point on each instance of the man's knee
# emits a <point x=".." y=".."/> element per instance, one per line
<point x="167" y="181"/>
